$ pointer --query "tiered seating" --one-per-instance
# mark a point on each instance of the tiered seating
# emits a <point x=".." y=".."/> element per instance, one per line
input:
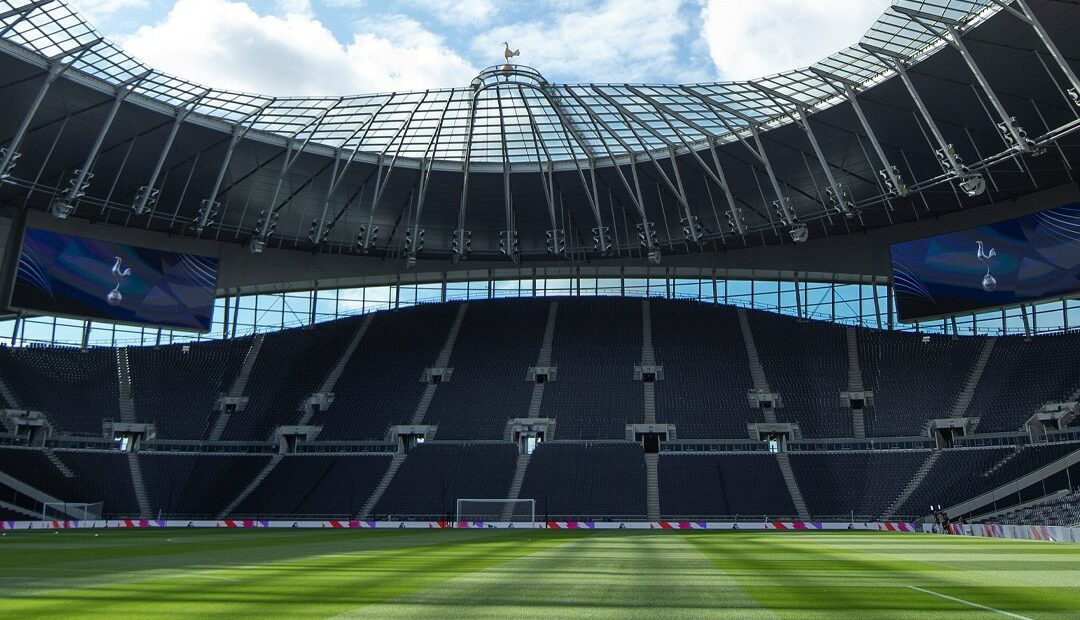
<point x="951" y="478"/>
<point x="291" y="365"/>
<point x="316" y="485"/>
<point x="33" y="468"/>
<point x="498" y="341"/>
<point x="706" y="371"/>
<point x="434" y="476"/>
<point x="859" y="483"/>
<point x="807" y="365"/>
<point x="102" y="476"/>
<point x="913" y="381"/>
<point x="191" y="485"/>
<point x="749" y="486"/>
<point x="381" y="384"/>
<point x="1022" y="376"/>
<point x="175" y="387"/>
<point x="586" y="481"/>
<point x="75" y="389"/>
<point x="597" y="343"/>
<point x="1063" y="511"/>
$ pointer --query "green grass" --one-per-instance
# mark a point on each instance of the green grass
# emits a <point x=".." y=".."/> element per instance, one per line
<point x="535" y="574"/>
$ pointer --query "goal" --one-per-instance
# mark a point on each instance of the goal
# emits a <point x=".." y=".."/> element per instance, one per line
<point x="77" y="511"/>
<point x="506" y="510"/>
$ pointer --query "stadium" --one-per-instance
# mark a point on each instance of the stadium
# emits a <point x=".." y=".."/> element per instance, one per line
<point x="798" y="346"/>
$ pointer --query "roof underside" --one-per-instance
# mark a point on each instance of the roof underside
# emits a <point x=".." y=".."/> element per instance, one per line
<point x="511" y="152"/>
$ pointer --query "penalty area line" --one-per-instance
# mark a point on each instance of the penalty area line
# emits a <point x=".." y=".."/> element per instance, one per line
<point x="969" y="603"/>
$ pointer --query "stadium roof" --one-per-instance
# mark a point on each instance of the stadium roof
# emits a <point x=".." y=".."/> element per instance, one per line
<point x="514" y="166"/>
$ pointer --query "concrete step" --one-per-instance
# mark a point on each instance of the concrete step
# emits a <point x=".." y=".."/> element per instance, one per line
<point x="963" y="399"/>
<point x="395" y="464"/>
<point x="913" y="484"/>
<point x="335" y="373"/>
<point x="652" y="487"/>
<point x="240" y="383"/>
<point x="139" y="485"/>
<point x="544" y="358"/>
<point x="9" y="396"/>
<point x="855" y="378"/>
<point x="274" y="460"/>
<point x="123" y="371"/>
<point x="649" y="402"/>
<point x="858" y="423"/>
<point x="793" y="486"/>
<point x="515" y="485"/>
<point x="757" y="371"/>
<point x="60" y="465"/>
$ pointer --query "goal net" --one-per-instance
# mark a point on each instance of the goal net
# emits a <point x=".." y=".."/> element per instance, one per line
<point x="508" y="510"/>
<point x="77" y="511"/>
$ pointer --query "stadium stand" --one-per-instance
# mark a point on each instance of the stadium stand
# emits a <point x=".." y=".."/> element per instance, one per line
<point x="196" y="485"/>
<point x="584" y="469"/>
<point x="913" y="380"/>
<point x="434" y="475"/>
<point x="175" y="387"/>
<point x="1062" y="510"/>
<point x="746" y="485"/>
<point x="706" y="372"/>
<point x="291" y="365"/>
<point x="853" y="483"/>
<point x="587" y="480"/>
<point x="597" y="344"/>
<point x="806" y="364"/>
<point x="316" y="485"/>
<point x="382" y="381"/>
<point x="497" y="343"/>
<point x="76" y="389"/>
<point x="1022" y="376"/>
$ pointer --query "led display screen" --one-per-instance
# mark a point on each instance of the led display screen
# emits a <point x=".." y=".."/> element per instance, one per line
<point x="100" y="280"/>
<point x="1016" y="261"/>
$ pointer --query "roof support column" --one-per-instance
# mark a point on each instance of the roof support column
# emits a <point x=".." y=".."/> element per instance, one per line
<point x="972" y="183"/>
<point x="147" y="195"/>
<point x="10" y="153"/>
<point x="208" y="208"/>
<point x="889" y="173"/>
<point x="1027" y="15"/>
<point x="1013" y="133"/>
<point x="65" y="204"/>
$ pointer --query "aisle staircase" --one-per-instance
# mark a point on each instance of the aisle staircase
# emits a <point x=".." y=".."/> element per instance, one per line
<point x="515" y="486"/>
<point x="648" y="358"/>
<point x="543" y="360"/>
<point x="963" y="399"/>
<point x="652" y="487"/>
<point x="376" y="495"/>
<point x="139" y="484"/>
<point x="123" y="372"/>
<point x="239" y="385"/>
<point x="441" y="362"/>
<point x="913" y="484"/>
<point x="255" y="482"/>
<point x="757" y="371"/>
<point x="793" y="486"/>
<point x="855" y="383"/>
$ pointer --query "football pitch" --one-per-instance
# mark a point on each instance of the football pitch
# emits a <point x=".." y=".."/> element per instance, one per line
<point x="438" y="574"/>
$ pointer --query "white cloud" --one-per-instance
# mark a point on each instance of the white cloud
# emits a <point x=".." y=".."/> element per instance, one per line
<point x="98" y="11"/>
<point x="457" y="11"/>
<point x="753" y="39"/>
<point x="619" y="40"/>
<point x="228" y="45"/>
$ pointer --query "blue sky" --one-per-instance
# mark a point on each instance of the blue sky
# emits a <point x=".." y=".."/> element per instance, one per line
<point x="328" y="47"/>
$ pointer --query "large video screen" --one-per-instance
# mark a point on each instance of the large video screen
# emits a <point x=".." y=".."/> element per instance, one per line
<point x="87" y="278"/>
<point x="1016" y="261"/>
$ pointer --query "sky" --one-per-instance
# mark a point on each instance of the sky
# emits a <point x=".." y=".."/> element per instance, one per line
<point x="339" y="47"/>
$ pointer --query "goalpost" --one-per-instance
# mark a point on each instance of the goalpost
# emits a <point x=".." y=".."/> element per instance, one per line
<point x="77" y="511"/>
<point x="503" y="510"/>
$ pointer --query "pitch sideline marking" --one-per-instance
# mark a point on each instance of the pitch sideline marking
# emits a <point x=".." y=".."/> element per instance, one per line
<point x="969" y="603"/>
